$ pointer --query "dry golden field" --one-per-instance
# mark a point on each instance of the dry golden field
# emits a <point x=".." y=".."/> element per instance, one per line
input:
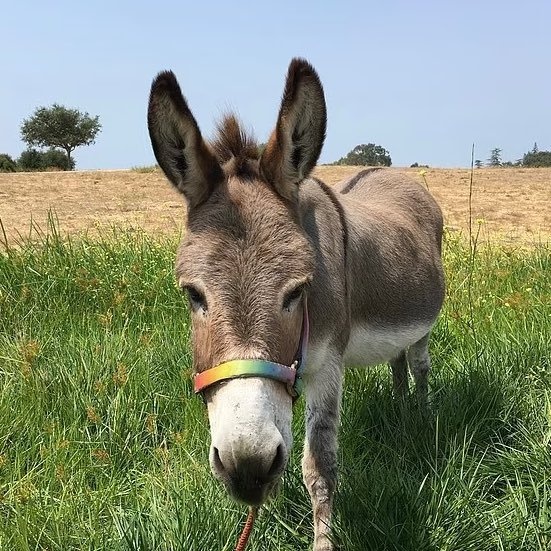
<point x="512" y="205"/>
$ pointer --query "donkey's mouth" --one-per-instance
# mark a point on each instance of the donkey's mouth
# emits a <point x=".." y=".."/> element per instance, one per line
<point x="247" y="485"/>
<point x="251" y="480"/>
<point x="251" y="492"/>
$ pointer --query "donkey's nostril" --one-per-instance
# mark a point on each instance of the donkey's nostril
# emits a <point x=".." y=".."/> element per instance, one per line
<point x="278" y="462"/>
<point x="217" y="462"/>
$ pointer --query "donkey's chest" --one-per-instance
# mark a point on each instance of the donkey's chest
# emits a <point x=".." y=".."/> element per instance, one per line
<point x="369" y="345"/>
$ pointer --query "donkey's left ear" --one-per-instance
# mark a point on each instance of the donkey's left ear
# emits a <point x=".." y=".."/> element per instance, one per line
<point x="295" y="145"/>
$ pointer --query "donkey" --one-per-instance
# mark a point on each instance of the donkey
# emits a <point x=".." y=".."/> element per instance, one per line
<point x="270" y="253"/>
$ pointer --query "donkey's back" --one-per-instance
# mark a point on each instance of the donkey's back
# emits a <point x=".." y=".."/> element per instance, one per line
<point x="394" y="267"/>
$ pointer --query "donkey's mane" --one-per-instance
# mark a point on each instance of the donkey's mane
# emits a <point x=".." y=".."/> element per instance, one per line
<point x="232" y="142"/>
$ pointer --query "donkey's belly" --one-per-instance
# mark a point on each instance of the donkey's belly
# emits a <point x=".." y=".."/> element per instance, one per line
<point x="370" y="345"/>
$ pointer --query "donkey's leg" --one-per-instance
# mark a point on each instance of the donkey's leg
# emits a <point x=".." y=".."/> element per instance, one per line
<point x="319" y="463"/>
<point x="399" y="366"/>
<point x="419" y="363"/>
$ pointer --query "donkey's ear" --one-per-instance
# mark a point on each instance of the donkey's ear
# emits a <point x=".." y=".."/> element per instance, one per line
<point x="177" y="143"/>
<point x="295" y="144"/>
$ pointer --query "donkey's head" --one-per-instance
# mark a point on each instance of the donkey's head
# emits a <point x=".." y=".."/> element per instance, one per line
<point x="245" y="263"/>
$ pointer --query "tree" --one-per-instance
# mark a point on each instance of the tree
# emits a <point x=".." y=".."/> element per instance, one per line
<point x="57" y="126"/>
<point x="367" y="154"/>
<point x="495" y="157"/>
<point x="478" y="163"/>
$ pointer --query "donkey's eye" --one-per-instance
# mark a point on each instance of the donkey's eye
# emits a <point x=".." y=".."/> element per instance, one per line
<point x="196" y="298"/>
<point x="293" y="296"/>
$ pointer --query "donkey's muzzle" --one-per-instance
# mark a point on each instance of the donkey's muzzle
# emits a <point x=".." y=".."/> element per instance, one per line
<point x="250" y="479"/>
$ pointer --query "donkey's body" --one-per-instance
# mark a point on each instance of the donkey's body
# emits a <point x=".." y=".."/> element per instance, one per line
<point x="377" y="238"/>
<point x="378" y="287"/>
<point x="260" y="237"/>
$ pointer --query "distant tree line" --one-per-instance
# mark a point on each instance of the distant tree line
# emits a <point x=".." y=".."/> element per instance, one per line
<point x="52" y="134"/>
<point x="375" y="155"/>
<point x="532" y="159"/>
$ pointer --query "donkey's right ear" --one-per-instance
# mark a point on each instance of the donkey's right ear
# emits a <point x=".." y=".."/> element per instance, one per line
<point x="177" y="143"/>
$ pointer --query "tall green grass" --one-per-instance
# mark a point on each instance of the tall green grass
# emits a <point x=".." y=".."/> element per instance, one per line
<point x="104" y="446"/>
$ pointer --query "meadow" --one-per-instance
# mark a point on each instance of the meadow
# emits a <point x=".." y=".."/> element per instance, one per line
<point x="515" y="203"/>
<point x="104" y="446"/>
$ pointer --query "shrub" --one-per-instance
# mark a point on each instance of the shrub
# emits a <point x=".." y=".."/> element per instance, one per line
<point x="7" y="164"/>
<point x="32" y="159"/>
<point x="54" y="158"/>
<point x="145" y="168"/>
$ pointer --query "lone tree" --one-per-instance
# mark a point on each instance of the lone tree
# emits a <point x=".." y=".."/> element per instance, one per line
<point x="367" y="154"/>
<point x="495" y="157"/>
<point x="478" y="163"/>
<point x="57" y="126"/>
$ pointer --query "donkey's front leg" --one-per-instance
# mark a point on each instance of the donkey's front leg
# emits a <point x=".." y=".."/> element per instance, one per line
<point x="319" y="464"/>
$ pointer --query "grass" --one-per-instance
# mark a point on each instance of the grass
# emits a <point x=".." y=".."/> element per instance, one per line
<point x="145" y="169"/>
<point x="104" y="446"/>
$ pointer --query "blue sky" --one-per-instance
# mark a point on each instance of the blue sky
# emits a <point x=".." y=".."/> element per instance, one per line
<point x="424" y="79"/>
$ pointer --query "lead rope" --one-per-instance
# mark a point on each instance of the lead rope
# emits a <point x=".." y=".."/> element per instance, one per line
<point x="247" y="529"/>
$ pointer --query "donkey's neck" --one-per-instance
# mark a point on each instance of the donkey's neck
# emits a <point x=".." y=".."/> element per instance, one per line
<point x="324" y="222"/>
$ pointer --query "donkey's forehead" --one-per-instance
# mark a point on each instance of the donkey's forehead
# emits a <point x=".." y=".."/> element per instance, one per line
<point x="246" y="228"/>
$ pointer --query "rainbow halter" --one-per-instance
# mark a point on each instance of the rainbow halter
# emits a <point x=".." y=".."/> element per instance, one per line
<point x="289" y="375"/>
